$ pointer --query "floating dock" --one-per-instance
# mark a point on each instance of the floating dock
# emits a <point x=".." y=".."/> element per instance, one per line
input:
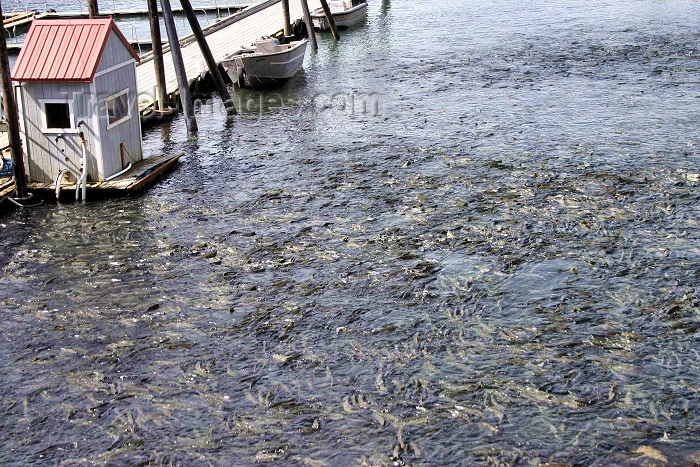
<point x="218" y="9"/>
<point x="24" y="18"/>
<point x="7" y="188"/>
<point x="141" y="174"/>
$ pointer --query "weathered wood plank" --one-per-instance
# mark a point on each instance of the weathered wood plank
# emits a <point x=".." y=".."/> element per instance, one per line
<point x="7" y="189"/>
<point x="135" y="179"/>
<point x="156" y="172"/>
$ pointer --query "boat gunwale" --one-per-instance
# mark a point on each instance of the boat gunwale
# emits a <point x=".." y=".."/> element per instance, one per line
<point x="315" y="14"/>
<point x="240" y="53"/>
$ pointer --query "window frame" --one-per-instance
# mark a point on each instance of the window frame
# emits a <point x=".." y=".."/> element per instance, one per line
<point x="71" y="116"/>
<point x="114" y="96"/>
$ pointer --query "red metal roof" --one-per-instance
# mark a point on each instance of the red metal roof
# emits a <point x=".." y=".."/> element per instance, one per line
<point x="65" y="49"/>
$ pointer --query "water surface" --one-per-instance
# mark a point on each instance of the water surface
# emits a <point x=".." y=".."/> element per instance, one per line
<point x="494" y="261"/>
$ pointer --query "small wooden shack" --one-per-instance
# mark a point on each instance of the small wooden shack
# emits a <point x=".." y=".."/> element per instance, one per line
<point x="78" y="87"/>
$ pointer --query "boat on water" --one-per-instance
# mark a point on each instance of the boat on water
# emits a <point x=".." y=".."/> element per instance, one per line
<point x="345" y="13"/>
<point x="150" y="115"/>
<point x="266" y="61"/>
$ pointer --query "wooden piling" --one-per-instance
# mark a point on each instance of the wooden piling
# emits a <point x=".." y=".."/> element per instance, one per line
<point x="93" y="9"/>
<point x="12" y="117"/>
<point x="309" y="25"/>
<point x="206" y="52"/>
<point x="331" y="20"/>
<point x="161" y="90"/>
<point x="179" y="65"/>
<point x="287" y="18"/>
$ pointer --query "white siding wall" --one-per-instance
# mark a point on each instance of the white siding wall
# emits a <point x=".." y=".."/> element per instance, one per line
<point x="128" y="132"/>
<point x="115" y="53"/>
<point x="44" y="153"/>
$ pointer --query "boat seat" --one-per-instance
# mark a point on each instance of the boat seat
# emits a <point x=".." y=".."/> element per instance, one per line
<point x="266" y="47"/>
<point x="337" y="6"/>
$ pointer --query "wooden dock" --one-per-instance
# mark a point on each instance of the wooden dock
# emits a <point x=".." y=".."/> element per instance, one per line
<point x="224" y="37"/>
<point x="18" y="20"/>
<point x="7" y="188"/>
<point x="141" y="174"/>
<point x="24" y="18"/>
<point x="218" y="9"/>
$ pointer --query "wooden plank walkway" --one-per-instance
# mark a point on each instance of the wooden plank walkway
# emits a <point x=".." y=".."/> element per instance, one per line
<point x="24" y="18"/>
<point x="141" y="175"/>
<point x="178" y="10"/>
<point x="13" y="20"/>
<point x="19" y="20"/>
<point x="138" y="177"/>
<point x="224" y="37"/>
<point x="7" y="188"/>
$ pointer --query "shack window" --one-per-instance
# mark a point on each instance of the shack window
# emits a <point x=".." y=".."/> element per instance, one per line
<point x="117" y="108"/>
<point x="57" y="115"/>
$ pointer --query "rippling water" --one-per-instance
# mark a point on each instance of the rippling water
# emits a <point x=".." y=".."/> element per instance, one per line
<point x="496" y="261"/>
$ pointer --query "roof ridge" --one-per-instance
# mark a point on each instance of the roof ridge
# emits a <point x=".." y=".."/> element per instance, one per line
<point x="105" y="20"/>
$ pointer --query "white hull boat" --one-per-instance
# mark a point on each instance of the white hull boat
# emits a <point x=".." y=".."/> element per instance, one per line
<point x="344" y="13"/>
<point x="265" y="61"/>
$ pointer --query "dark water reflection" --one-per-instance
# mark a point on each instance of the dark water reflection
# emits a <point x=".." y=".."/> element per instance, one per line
<point x="497" y="264"/>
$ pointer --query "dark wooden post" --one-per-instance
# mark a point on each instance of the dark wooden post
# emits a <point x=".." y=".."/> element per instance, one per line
<point x="206" y="51"/>
<point x="161" y="90"/>
<point x="287" y="18"/>
<point x="179" y="65"/>
<point x="309" y="25"/>
<point x="12" y="117"/>
<point x="331" y="20"/>
<point x="93" y="9"/>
